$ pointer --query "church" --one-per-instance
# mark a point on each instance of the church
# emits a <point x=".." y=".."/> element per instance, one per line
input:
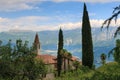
<point x="50" y="60"/>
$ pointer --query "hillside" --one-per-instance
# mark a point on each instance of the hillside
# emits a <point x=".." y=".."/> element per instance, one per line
<point x="102" y="41"/>
<point x="109" y="71"/>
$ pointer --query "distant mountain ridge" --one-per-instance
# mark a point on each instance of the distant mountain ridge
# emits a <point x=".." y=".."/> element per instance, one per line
<point x="103" y="41"/>
<point x="17" y="30"/>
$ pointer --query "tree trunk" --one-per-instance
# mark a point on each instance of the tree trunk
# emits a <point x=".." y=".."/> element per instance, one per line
<point x="68" y="65"/>
<point x="64" y="65"/>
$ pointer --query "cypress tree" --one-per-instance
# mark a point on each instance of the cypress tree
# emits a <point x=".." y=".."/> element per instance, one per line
<point x="59" y="56"/>
<point x="87" y="45"/>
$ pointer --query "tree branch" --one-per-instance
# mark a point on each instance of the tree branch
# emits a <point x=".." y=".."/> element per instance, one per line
<point x="107" y="22"/>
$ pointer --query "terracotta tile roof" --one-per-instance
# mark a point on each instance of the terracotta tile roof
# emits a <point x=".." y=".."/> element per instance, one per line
<point x="47" y="59"/>
<point x="76" y="59"/>
<point x="73" y="58"/>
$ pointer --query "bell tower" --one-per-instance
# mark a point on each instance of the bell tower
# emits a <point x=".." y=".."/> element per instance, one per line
<point x="37" y="44"/>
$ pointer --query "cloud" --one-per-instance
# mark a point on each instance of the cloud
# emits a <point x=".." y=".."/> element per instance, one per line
<point x="41" y="23"/>
<point x="89" y="1"/>
<point x="70" y="25"/>
<point x="95" y="23"/>
<point x="25" y="23"/>
<point x="15" y="5"/>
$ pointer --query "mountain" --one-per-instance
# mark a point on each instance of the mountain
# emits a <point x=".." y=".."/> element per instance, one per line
<point x="103" y="40"/>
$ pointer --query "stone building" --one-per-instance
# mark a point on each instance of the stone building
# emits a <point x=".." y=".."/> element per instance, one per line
<point x="50" y="60"/>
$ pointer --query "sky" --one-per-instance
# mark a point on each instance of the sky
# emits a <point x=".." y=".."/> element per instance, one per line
<point x="40" y="15"/>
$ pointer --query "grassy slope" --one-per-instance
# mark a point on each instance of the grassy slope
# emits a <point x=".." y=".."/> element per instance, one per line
<point x="112" y="67"/>
<point x="109" y="71"/>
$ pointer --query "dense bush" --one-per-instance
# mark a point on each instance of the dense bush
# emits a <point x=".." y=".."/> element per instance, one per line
<point x="82" y="73"/>
<point x="19" y="62"/>
<point x="109" y="71"/>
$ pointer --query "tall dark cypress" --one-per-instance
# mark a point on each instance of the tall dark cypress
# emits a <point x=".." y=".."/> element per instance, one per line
<point x="59" y="56"/>
<point x="87" y="45"/>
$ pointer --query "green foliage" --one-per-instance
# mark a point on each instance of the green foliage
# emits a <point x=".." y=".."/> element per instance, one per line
<point x="66" y="56"/>
<point x="116" y="51"/>
<point x="103" y="58"/>
<point x="76" y="64"/>
<point x="114" y="16"/>
<point x="87" y="45"/>
<point x="110" y="71"/>
<point x="59" y="56"/>
<point x="82" y="73"/>
<point x="65" y="53"/>
<point x="19" y="63"/>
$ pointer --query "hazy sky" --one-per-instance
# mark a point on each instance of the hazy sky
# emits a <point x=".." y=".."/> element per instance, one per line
<point x="41" y="15"/>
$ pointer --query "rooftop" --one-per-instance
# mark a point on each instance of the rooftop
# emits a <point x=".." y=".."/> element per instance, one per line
<point x="47" y="58"/>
